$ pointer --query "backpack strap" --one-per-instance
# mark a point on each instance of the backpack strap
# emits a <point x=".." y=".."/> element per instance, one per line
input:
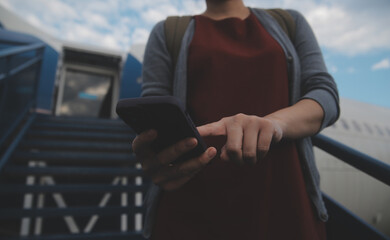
<point x="285" y="20"/>
<point x="175" y="27"/>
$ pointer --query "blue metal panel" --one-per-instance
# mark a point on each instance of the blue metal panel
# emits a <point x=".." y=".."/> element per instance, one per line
<point x="16" y="38"/>
<point x="131" y="78"/>
<point x="46" y="80"/>
<point x="48" y="66"/>
<point x="19" y="73"/>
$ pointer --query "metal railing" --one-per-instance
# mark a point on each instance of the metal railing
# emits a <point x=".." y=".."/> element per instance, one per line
<point x="373" y="167"/>
<point x="19" y="78"/>
<point x="344" y="224"/>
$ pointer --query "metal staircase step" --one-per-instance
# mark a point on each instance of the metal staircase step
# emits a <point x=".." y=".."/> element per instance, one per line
<point x="84" y="236"/>
<point x="84" y="163"/>
<point x="81" y="120"/>
<point x="72" y="211"/>
<point x="96" y="136"/>
<point x="80" y="127"/>
<point x="75" y="146"/>
<point x="75" y="157"/>
<point x="72" y="171"/>
<point x="69" y="188"/>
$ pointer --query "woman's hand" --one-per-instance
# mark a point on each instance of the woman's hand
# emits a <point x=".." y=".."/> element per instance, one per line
<point x="248" y="137"/>
<point x="159" y="167"/>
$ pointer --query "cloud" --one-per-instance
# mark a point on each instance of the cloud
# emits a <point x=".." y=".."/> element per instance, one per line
<point x="35" y="21"/>
<point x="139" y="36"/>
<point x="348" y="27"/>
<point x="158" y="13"/>
<point x="97" y="20"/>
<point x="193" y="7"/>
<point x="349" y="32"/>
<point x="144" y="4"/>
<point x="59" y="9"/>
<point x="7" y="5"/>
<point x="384" y="64"/>
<point x="333" y="69"/>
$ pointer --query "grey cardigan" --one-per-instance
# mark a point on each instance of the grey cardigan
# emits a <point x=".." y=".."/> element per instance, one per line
<point x="308" y="79"/>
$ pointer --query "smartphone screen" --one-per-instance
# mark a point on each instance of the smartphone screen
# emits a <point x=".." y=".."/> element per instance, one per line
<point x="166" y="115"/>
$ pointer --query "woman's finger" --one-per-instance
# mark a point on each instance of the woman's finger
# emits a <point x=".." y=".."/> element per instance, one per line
<point x="142" y="143"/>
<point x="174" y="176"/>
<point x="249" y="146"/>
<point x="142" y="147"/>
<point x="233" y="146"/>
<point x="264" y="142"/>
<point x="213" y="129"/>
<point x="172" y="153"/>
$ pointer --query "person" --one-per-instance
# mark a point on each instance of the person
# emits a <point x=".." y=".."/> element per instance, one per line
<point x="256" y="97"/>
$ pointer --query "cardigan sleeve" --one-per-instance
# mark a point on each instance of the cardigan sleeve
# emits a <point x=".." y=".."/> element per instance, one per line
<point x="316" y="83"/>
<point x="157" y="65"/>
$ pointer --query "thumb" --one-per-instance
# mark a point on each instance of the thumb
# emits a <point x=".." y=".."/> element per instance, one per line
<point x="212" y="129"/>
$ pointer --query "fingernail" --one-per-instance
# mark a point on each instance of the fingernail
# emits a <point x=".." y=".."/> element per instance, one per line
<point x="191" y="142"/>
<point x="151" y="133"/>
<point x="211" y="153"/>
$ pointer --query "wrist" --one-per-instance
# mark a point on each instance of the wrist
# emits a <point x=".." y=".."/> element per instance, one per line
<point x="280" y="127"/>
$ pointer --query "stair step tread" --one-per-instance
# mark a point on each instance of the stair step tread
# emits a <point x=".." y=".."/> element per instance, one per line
<point x="80" y="127"/>
<point x="133" y="235"/>
<point x="75" y="145"/>
<point x="73" y="211"/>
<point x="72" y="171"/>
<point x="70" y="188"/>
<point x="80" y="135"/>
<point x="81" y="120"/>
<point x="86" y="156"/>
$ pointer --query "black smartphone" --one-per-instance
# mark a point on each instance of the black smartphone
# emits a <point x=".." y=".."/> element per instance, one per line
<point x="166" y="115"/>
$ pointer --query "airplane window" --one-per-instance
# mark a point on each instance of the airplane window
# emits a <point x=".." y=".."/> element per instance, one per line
<point x="356" y="125"/>
<point x="344" y="123"/>
<point x="379" y="130"/>
<point x="388" y="131"/>
<point x="369" y="129"/>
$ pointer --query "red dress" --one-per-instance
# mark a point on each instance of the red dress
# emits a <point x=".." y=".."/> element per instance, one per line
<point x="235" y="66"/>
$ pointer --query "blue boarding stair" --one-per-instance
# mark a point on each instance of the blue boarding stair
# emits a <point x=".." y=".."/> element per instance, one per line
<point x="71" y="178"/>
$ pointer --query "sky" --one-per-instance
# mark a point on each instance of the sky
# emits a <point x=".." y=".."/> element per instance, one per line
<point x="354" y="35"/>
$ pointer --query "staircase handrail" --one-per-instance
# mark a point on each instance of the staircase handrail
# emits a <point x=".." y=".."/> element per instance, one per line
<point x="20" y="49"/>
<point x="365" y="163"/>
<point x="19" y="115"/>
<point x="4" y="158"/>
